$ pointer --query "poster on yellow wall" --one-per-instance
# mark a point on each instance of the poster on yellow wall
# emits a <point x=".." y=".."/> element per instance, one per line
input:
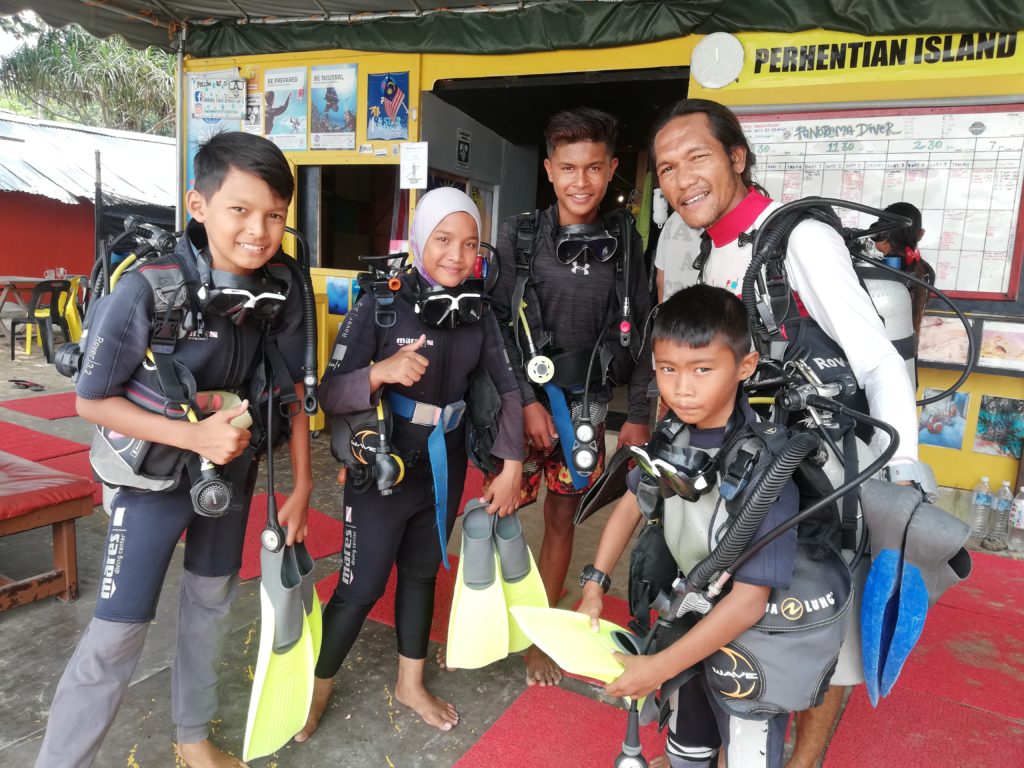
<point x="333" y="106"/>
<point x="387" y="108"/>
<point x="1000" y="426"/>
<point x="284" y="107"/>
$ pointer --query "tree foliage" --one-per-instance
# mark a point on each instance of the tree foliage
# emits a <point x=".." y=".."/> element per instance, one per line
<point x="68" y="75"/>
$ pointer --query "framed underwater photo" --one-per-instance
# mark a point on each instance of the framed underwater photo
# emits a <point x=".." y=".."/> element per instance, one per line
<point x="1000" y="430"/>
<point x="942" y="423"/>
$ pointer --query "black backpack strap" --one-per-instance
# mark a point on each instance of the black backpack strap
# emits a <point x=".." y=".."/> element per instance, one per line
<point x="526" y="250"/>
<point x="281" y="375"/>
<point x="850" y="504"/>
<point x="701" y="260"/>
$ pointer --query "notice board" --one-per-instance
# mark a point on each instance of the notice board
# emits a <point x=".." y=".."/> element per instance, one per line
<point x="963" y="167"/>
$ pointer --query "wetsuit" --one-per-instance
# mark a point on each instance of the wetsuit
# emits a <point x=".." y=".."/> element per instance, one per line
<point x="145" y="527"/>
<point x="401" y="528"/>
<point x="574" y="301"/>
<point x="698" y="724"/>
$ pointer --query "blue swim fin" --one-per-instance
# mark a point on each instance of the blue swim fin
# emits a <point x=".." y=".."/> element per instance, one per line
<point x="887" y="509"/>
<point x="934" y="559"/>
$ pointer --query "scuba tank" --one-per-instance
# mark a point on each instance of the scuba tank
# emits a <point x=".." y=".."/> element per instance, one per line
<point x="892" y="301"/>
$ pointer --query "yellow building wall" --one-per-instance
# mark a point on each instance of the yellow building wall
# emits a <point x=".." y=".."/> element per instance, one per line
<point x="914" y="81"/>
<point x="963" y="468"/>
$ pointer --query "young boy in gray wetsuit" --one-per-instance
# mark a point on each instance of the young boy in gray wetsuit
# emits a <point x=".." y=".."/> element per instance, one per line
<point x="238" y="206"/>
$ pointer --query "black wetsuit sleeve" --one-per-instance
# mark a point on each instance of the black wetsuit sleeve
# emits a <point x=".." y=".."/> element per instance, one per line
<point x="773" y="565"/>
<point x="504" y="312"/>
<point x="493" y="356"/>
<point x="345" y="387"/>
<point x="115" y="346"/>
<point x="639" y="411"/>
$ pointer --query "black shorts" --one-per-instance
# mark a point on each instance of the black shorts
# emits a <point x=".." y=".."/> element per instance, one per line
<point x="144" y="529"/>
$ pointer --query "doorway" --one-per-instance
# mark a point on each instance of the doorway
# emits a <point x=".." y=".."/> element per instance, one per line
<point x="354" y="210"/>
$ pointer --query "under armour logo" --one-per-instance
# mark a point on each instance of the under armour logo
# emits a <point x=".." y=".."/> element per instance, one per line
<point x="577" y="267"/>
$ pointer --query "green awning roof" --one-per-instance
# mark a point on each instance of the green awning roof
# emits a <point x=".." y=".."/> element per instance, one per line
<point x="240" y="27"/>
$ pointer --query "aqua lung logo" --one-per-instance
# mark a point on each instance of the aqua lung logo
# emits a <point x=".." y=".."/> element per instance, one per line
<point x="738" y="677"/>
<point x="794" y="608"/>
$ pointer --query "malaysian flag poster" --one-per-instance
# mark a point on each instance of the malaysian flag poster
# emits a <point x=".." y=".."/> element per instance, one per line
<point x="387" y="106"/>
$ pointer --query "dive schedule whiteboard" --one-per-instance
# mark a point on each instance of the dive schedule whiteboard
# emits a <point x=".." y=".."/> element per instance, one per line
<point x="963" y="167"/>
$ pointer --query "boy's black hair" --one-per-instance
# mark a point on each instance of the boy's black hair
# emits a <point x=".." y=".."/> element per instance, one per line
<point x="724" y="126"/>
<point x="581" y="124"/>
<point x="699" y="314"/>
<point x="245" y="152"/>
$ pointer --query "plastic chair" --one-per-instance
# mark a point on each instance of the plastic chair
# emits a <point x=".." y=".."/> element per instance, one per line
<point x="47" y="307"/>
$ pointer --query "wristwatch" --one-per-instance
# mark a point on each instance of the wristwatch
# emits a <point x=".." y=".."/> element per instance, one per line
<point x="918" y="473"/>
<point x="590" y="573"/>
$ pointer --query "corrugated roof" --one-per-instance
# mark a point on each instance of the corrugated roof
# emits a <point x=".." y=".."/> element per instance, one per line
<point x="241" y="27"/>
<point x="58" y="160"/>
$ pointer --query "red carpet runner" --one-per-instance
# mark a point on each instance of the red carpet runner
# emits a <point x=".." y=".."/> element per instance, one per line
<point x="960" y="700"/>
<point x="50" y="407"/>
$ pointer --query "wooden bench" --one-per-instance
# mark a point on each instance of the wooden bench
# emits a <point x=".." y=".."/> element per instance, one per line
<point x="32" y="496"/>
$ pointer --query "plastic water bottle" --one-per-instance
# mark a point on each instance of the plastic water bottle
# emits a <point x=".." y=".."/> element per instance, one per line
<point x="1000" y="516"/>
<point x="981" y="506"/>
<point x="1016" y="538"/>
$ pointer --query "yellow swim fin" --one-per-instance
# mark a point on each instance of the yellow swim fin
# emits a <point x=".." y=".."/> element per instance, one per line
<point x="282" y="687"/>
<point x="570" y="641"/>
<point x="478" y="631"/>
<point x="520" y="579"/>
<point x="310" y="599"/>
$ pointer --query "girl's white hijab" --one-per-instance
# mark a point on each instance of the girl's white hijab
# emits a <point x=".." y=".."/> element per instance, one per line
<point x="432" y="208"/>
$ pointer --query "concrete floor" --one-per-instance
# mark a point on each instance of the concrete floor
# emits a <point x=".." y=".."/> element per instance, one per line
<point x="364" y="726"/>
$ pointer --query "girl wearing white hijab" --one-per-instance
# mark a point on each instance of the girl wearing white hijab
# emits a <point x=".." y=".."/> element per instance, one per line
<point x="421" y="366"/>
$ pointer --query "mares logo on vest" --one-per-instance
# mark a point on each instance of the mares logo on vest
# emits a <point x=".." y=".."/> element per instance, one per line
<point x="735" y="673"/>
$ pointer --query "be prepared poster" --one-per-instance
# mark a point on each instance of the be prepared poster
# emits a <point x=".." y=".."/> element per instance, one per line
<point x="332" y="113"/>
<point x="284" y="107"/>
<point x="387" y="106"/>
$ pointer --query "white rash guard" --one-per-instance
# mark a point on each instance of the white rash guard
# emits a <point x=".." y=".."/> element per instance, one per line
<point x="821" y="273"/>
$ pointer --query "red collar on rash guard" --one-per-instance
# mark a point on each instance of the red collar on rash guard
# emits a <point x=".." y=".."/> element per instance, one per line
<point x="739" y="219"/>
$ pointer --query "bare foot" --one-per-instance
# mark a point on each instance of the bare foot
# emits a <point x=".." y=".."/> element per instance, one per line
<point x="411" y="692"/>
<point x="322" y="688"/>
<point x="202" y="754"/>
<point x="540" y="669"/>
<point x="434" y="710"/>
<point x="442" y="660"/>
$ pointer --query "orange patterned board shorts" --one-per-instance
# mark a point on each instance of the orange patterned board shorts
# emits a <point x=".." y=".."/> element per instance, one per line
<point x="551" y="463"/>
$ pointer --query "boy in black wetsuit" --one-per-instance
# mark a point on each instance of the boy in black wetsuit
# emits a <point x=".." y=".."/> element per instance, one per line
<point x="421" y="369"/>
<point x="238" y="207"/>
<point x="569" y="298"/>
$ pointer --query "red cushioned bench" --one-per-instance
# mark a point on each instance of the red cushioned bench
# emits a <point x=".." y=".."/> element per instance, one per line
<point x="32" y="496"/>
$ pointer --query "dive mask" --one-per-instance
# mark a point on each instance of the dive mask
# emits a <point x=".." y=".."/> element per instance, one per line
<point x="681" y="470"/>
<point x="243" y="298"/>
<point x="441" y="307"/>
<point x="579" y="240"/>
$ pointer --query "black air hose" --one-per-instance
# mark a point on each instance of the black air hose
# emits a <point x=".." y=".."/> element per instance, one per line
<point x="754" y="509"/>
<point x="309" y="363"/>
